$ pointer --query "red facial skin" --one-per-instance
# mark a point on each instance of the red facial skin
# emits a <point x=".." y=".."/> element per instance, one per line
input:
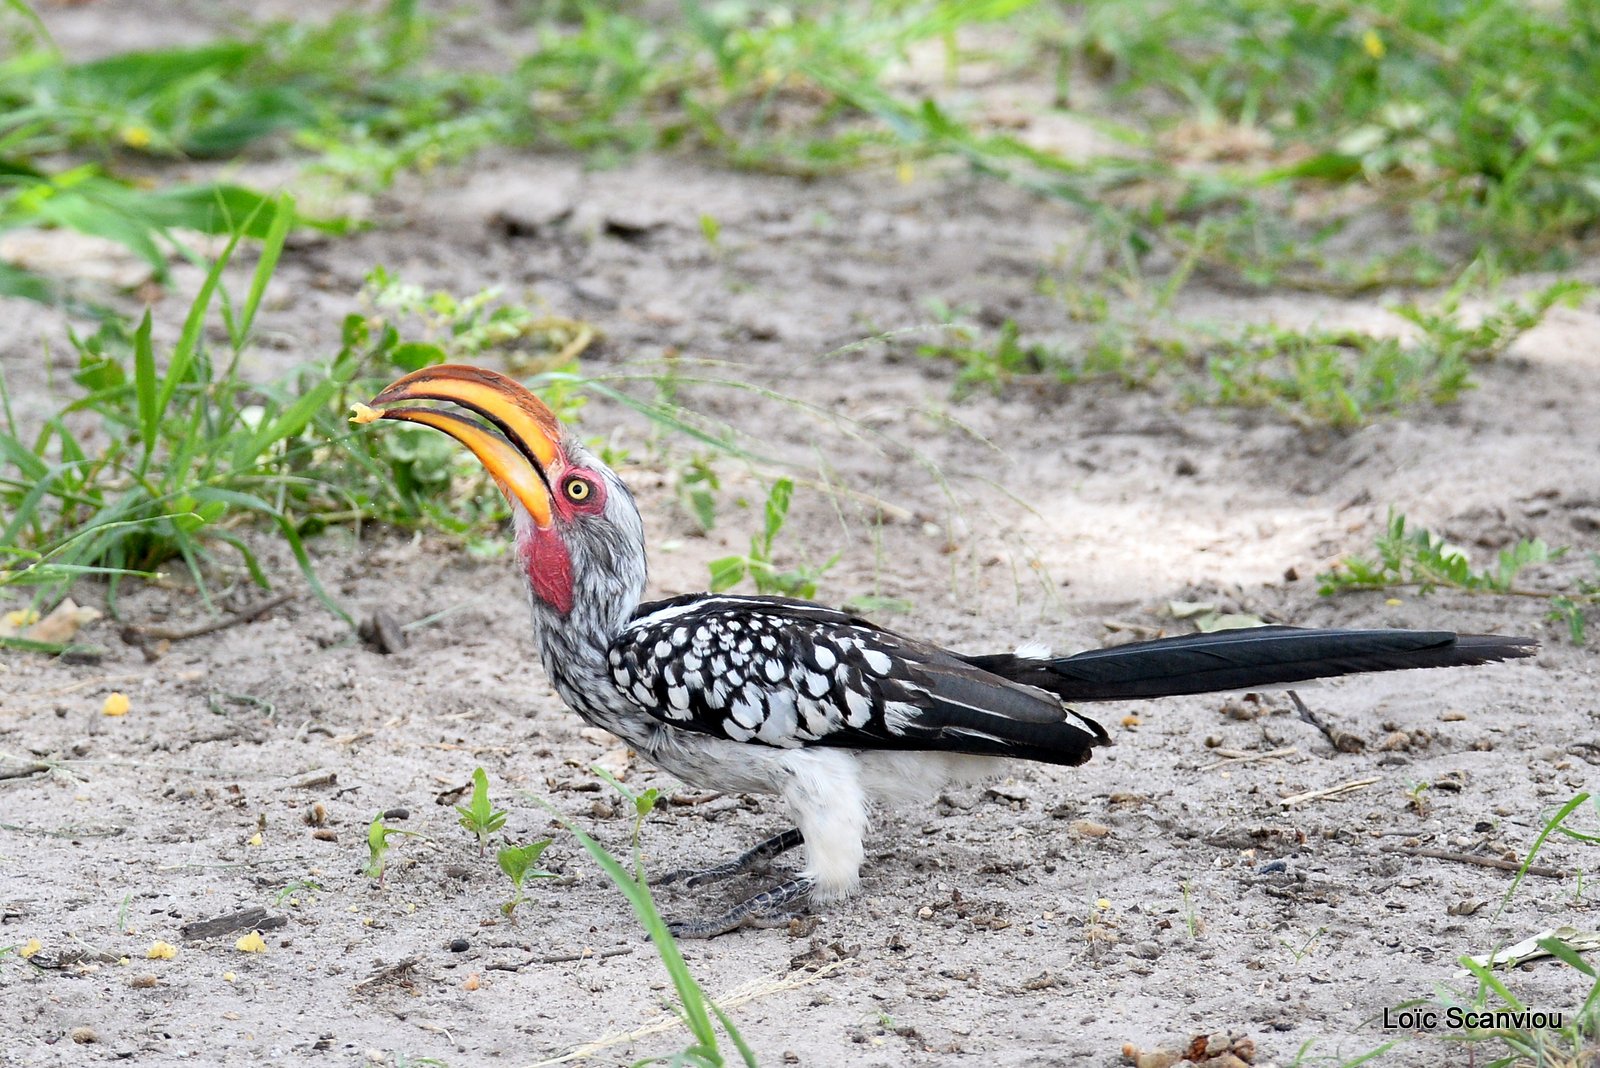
<point x="544" y="553"/>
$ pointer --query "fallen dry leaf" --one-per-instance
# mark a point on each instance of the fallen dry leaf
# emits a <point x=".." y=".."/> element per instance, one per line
<point x="63" y="623"/>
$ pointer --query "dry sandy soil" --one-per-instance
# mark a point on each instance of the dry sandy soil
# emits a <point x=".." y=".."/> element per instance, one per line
<point x="1160" y="892"/>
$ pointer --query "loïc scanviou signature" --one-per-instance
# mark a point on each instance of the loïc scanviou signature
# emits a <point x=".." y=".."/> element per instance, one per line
<point x="1457" y="1018"/>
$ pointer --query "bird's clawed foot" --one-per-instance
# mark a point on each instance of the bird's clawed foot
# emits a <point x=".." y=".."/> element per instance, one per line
<point x="750" y="858"/>
<point x="763" y="910"/>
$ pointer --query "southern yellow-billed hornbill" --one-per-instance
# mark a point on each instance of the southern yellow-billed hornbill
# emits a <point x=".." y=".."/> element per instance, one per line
<point x="770" y="695"/>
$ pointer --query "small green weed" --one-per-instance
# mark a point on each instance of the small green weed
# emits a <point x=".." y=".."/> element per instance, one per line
<point x="758" y="565"/>
<point x="1345" y="378"/>
<point x="1422" y="560"/>
<point x="989" y="365"/>
<point x="697" y="487"/>
<point x="290" y="890"/>
<point x="378" y="835"/>
<point x="1306" y="1057"/>
<point x="1191" y="919"/>
<point x="517" y="862"/>
<point x="480" y="817"/>
<point x="1306" y="948"/>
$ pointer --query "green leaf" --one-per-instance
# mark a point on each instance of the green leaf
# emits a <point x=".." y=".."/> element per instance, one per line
<point x="727" y="573"/>
<point x="777" y="508"/>
<point x="272" y="242"/>
<point x="415" y="355"/>
<point x="516" y="861"/>
<point x="18" y="282"/>
<point x="127" y="76"/>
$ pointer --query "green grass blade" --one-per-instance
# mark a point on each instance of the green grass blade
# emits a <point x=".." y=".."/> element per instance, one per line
<point x="1538" y="843"/>
<point x="638" y="895"/>
<point x="28" y="645"/>
<point x="283" y="215"/>
<point x="193" y="324"/>
<point x="1566" y="954"/>
<point x="146" y="391"/>
<point x="24" y="10"/>
<point x="739" y="1043"/>
<point x="1486" y="976"/>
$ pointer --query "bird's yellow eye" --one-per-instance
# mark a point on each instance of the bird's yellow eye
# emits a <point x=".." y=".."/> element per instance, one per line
<point x="578" y="490"/>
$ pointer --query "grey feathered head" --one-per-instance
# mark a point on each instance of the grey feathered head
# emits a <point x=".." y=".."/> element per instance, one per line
<point x="580" y="540"/>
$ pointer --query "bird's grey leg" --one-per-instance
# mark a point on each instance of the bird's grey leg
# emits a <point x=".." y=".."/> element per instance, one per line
<point x="750" y="912"/>
<point x="778" y="843"/>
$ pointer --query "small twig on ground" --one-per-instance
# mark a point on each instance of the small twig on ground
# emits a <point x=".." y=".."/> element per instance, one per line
<point x="1482" y="862"/>
<point x="1230" y="757"/>
<point x="1332" y="791"/>
<point x="686" y="800"/>
<point x="1342" y="741"/>
<point x="251" y="919"/>
<point x="560" y="958"/>
<point x="138" y="635"/>
<point x="314" y="780"/>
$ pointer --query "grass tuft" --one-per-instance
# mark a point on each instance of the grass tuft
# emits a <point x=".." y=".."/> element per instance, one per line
<point x="1416" y="558"/>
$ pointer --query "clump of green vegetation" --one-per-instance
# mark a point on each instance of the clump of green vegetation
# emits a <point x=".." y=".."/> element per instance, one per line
<point x="1459" y="112"/>
<point x="1509" y="1044"/>
<point x="480" y="817"/>
<point x="1225" y="113"/>
<point x="182" y="451"/>
<point x="1344" y="378"/>
<point x="174" y="458"/>
<point x="758" y="564"/>
<point x="517" y="862"/>
<point x="1337" y="378"/>
<point x="1417" y="558"/>
<point x="462" y="329"/>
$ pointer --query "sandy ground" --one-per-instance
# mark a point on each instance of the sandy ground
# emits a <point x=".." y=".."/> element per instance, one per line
<point x="1161" y="891"/>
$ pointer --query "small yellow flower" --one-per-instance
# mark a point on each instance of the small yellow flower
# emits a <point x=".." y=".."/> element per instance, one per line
<point x="1103" y="904"/>
<point x="136" y="136"/>
<point x="254" y="839"/>
<point x="116" y="704"/>
<point x="33" y="946"/>
<point x="1373" y="44"/>
<point x="161" y="951"/>
<point x="22" y="617"/>
<point x="250" y="943"/>
<point x="228" y="977"/>
<point x="1393" y="602"/>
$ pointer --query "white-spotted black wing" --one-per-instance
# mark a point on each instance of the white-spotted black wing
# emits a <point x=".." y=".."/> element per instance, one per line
<point x="789" y="673"/>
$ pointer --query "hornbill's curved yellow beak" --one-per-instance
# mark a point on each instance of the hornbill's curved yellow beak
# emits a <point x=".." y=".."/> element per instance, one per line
<point x="518" y="446"/>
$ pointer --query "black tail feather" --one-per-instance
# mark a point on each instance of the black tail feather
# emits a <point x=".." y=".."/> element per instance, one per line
<point x="1245" y="659"/>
